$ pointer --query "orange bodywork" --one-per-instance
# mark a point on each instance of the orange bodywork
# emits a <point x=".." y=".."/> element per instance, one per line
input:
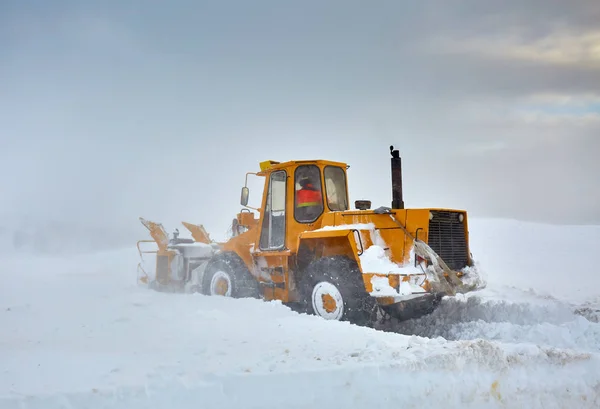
<point x="161" y="238"/>
<point x="246" y="219"/>
<point x="198" y="232"/>
<point x="278" y="266"/>
<point x="281" y="238"/>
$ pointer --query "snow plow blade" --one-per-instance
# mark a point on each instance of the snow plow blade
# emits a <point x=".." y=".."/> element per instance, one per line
<point x="444" y="280"/>
<point x="176" y="258"/>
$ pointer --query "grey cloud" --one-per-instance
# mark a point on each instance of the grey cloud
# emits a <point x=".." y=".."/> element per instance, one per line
<point x="113" y="111"/>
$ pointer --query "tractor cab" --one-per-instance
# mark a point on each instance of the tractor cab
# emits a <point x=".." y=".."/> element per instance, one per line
<point x="296" y="195"/>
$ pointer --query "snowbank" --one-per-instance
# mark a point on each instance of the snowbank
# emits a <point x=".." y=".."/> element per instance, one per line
<point x="551" y="260"/>
<point x="78" y="333"/>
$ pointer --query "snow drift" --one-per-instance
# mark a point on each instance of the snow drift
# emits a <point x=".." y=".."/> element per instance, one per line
<point x="78" y="333"/>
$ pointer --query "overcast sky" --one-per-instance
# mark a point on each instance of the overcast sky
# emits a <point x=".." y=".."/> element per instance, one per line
<point x="121" y="109"/>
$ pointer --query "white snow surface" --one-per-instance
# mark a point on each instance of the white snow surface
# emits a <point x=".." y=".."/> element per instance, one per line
<point x="77" y="332"/>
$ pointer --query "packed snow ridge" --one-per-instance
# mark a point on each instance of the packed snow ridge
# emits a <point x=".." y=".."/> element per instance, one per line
<point x="77" y="332"/>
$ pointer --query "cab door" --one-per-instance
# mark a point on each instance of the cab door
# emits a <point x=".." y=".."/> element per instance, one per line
<point x="272" y="254"/>
<point x="272" y="235"/>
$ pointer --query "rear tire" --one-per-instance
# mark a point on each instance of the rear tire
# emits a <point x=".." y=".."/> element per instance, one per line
<point x="228" y="276"/>
<point x="333" y="288"/>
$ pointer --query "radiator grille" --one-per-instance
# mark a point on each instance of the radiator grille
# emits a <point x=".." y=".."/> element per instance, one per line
<point x="448" y="239"/>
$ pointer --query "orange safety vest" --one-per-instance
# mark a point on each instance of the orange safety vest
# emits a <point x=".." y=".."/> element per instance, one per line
<point x="308" y="197"/>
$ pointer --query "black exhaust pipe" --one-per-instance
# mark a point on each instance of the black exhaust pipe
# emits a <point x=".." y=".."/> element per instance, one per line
<point x="397" y="199"/>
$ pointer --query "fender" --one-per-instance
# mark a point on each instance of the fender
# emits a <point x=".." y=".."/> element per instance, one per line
<point x="350" y="242"/>
<point x="324" y="243"/>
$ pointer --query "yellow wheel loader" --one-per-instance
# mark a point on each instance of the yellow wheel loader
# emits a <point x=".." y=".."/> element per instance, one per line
<point x="308" y="249"/>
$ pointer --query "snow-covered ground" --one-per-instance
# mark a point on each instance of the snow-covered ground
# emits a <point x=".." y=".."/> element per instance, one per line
<point x="79" y="333"/>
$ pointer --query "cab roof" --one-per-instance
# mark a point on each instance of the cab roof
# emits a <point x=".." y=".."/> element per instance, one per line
<point x="270" y="165"/>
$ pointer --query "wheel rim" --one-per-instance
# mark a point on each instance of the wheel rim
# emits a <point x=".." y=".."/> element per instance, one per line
<point x="327" y="301"/>
<point x="220" y="284"/>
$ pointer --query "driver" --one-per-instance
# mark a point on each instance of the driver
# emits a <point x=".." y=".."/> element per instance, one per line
<point x="308" y="195"/>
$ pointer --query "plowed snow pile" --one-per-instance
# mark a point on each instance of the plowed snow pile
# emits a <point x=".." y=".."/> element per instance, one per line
<point x="78" y="333"/>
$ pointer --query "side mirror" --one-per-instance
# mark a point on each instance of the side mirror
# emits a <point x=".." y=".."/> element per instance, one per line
<point x="245" y="195"/>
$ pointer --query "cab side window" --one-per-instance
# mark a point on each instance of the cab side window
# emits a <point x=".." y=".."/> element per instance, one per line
<point x="273" y="228"/>
<point x="335" y="186"/>
<point x="308" y="194"/>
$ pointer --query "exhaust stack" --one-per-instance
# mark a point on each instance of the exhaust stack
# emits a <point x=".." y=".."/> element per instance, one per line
<point x="397" y="199"/>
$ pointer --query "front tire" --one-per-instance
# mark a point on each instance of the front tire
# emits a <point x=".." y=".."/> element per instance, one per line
<point x="333" y="288"/>
<point x="228" y="276"/>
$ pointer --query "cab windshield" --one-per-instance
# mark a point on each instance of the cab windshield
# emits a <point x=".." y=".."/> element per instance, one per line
<point x="309" y="199"/>
<point x="335" y="187"/>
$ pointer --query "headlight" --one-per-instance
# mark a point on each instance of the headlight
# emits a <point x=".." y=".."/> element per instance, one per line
<point x="461" y="217"/>
<point x="430" y="216"/>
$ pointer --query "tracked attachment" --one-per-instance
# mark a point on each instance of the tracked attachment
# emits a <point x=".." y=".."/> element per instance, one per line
<point x="177" y="258"/>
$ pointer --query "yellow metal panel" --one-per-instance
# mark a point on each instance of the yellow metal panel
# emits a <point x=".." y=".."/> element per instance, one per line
<point x="267" y="164"/>
<point x="198" y="231"/>
<point x="247" y="219"/>
<point x="158" y="233"/>
<point x="323" y="233"/>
